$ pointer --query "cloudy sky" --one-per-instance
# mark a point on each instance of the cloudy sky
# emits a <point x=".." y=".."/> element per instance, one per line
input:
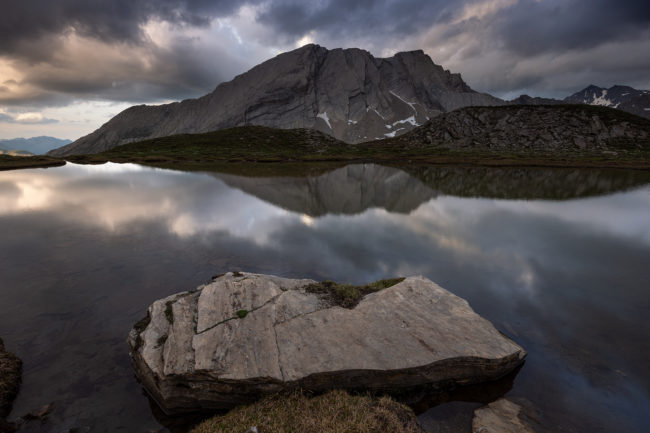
<point x="67" y="66"/>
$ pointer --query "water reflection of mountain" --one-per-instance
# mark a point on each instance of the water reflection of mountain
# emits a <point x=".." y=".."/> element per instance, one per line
<point x="347" y="190"/>
<point x="530" y="183"/>
<point x="355" y="188"/>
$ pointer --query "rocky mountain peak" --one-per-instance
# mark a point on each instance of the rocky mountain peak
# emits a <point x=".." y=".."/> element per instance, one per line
<point x="624" y="98"/>
<point x="347" y="93"/>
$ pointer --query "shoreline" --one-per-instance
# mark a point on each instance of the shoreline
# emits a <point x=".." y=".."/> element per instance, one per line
<point x="8" y="162"/>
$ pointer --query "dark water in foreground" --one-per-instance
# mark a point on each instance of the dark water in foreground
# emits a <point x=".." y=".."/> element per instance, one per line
<point x="558" y="260"/>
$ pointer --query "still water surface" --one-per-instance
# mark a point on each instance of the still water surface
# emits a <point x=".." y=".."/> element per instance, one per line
<point x="559" y="260"/>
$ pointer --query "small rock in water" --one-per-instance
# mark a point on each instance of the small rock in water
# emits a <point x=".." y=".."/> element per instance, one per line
<point x="501" y="416"/>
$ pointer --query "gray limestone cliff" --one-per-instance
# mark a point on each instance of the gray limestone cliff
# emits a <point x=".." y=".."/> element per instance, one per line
<point x="346" y="93"/>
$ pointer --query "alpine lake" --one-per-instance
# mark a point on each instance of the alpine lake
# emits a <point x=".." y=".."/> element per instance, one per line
<point x="557" y="259"/>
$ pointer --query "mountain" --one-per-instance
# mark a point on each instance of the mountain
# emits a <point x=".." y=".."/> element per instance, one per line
<point x="346" y="93"/>
<point x="622" y="97"/>
<point x="36" y="145"/>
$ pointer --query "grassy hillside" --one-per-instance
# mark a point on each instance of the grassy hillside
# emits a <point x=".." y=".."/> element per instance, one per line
<point x="560" y="135"/>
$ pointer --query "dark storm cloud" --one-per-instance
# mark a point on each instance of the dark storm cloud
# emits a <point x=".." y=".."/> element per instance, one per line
<point x="531" y="27"/>
<point x="528" y="26"/>
<point x="22" y="22"/>
<point x="341" y="18"/>
<point x="499" y="52"/>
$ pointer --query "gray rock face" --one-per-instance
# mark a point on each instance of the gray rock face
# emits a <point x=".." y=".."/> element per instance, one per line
<point x="348" y="94"/>
<point x="501" y="416"/>
<point x="245" y="335"/>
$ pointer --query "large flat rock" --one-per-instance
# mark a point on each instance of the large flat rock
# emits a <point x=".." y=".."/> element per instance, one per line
<point x="245" y="335"/>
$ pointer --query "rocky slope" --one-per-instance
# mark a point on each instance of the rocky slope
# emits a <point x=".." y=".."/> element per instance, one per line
<point x="346" y="93"/>
<point x="530" y="130"/>
<point x="246" y="335"/>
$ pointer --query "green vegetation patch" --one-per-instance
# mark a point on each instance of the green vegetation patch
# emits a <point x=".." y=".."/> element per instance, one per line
<point x="241" y="313"/>
<point x="10" y="373"/>
<point x="347" y="295"/>
<point x="334" y="412"/>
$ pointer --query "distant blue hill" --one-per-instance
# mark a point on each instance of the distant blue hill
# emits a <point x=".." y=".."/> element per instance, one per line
<point x="35" y="145"/>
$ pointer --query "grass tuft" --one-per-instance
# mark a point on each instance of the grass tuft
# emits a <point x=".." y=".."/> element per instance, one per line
<point x="333" y="412"/>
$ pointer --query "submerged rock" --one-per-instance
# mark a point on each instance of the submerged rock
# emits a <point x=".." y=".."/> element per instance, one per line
<point x="246" y="335"/>
<point x="501" y="416"/>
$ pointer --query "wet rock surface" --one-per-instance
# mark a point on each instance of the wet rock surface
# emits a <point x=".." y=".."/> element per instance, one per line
<point x="245" y="335"/>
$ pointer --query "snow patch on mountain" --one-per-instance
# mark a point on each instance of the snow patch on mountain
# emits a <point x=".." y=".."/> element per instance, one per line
<point x="323" y="116"/>
<point x="410" y="119"/>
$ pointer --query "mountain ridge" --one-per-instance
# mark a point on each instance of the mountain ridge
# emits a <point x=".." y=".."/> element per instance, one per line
<point x="37" y="145"/>
<point x="624" y="98"/>
<point x="346" y="93"/>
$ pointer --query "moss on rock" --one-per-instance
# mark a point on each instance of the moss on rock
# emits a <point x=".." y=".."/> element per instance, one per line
<point x="347" y="295"/>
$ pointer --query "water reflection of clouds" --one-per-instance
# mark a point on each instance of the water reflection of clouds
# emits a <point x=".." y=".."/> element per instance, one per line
<point x="111" y="196"/>
<point x="498" y="232"/>
<point x="566" y="276"/>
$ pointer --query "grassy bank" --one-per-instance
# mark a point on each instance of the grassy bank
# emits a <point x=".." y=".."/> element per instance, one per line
<point x="334" y="412"/>
<point x="8" y="162"/>
<point x="231" y="149"/>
